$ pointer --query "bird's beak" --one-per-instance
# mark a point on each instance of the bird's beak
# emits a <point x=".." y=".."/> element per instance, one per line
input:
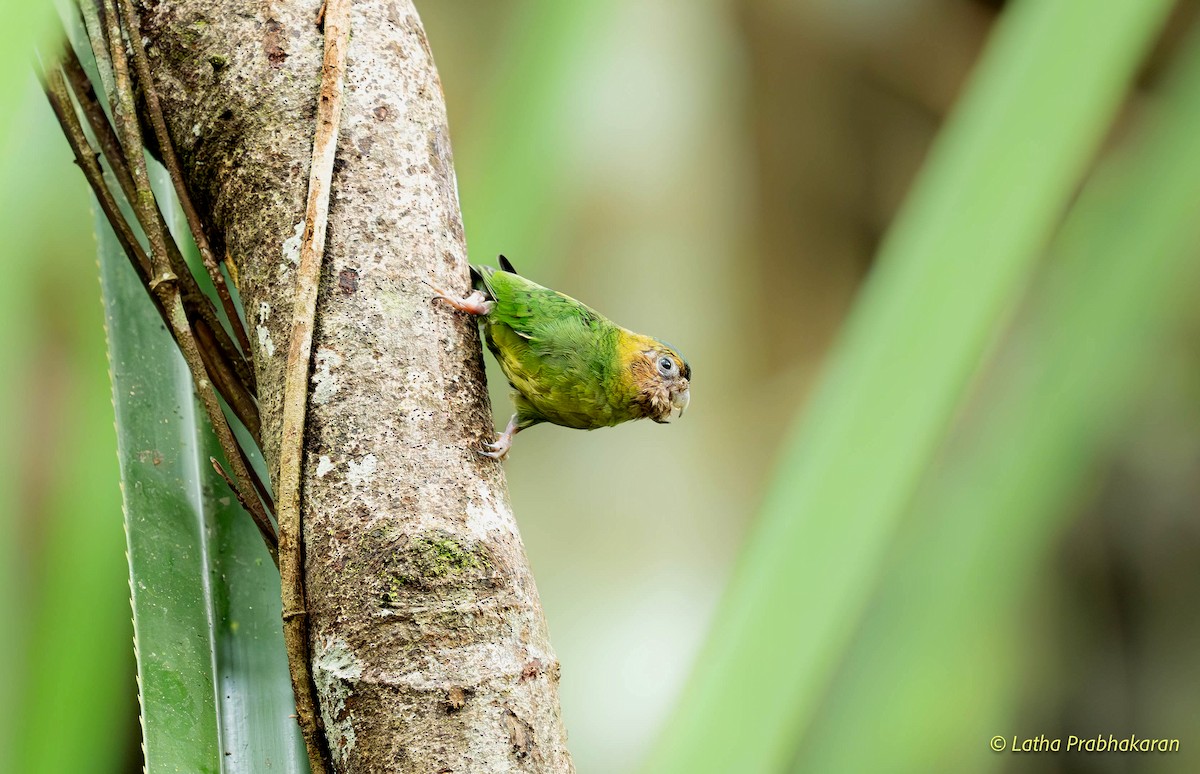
<point x="681" y="400"/>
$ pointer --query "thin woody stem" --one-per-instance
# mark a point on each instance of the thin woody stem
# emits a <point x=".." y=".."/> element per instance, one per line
<point x="60" y="102"/>
<point x="229" y="480"/>
<point x="229" y="369"/>
<point x="164" y="282"/>
<point x="336" y="19"/>
<point x="90" y="11"/>
<point x="85" y="96"/>
<point x="229" y="386"/>
<point x="171" y="162"/>
<point x="130" y="136"/>
<point x="258" y="484"/>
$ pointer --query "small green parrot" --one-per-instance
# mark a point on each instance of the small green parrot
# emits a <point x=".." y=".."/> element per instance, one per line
<point x="567" y="363"/>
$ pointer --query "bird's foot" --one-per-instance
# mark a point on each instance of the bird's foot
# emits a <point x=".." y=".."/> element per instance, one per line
<point x="476" y="303"/>
<point x="499" y="449"/>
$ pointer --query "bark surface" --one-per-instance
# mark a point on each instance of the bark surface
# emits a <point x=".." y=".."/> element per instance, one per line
<point x="430" y="650"/>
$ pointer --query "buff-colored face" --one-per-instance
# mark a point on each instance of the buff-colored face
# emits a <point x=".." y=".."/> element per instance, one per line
<point x="671" y="375"/>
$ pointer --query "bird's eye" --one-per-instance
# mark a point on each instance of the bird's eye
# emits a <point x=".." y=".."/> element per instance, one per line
<point x="666" y="365"/>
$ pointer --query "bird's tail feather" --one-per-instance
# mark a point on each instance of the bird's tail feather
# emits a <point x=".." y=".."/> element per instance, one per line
<point x="479" y="280"/>
<point x="480" y="275"/>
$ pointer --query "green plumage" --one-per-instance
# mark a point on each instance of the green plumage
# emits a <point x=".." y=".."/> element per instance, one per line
<point x="565" y="361"/>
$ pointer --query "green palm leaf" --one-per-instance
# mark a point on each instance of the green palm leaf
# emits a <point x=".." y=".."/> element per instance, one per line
<point x="212" y="672"/>
<point x="1123" y="270"/>
<point x="995" y="184"/>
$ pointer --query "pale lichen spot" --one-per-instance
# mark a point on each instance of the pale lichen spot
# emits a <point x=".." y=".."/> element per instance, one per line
<point x="264" y="340"/>
<point x="264" y="311"/>
<point x="324" y="465"/>
<point x="484" y="515"/>
<point x="325" y="381"/>
<point x="291" y="245"/>
<point x="361" y="472"/>
<point x="336" y="672"/>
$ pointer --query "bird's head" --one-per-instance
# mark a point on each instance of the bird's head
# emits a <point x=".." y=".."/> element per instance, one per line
<point x="661" y="378"/>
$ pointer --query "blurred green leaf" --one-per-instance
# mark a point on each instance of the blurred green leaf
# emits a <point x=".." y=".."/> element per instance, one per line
<point x="68" y="572"/>
<point x="994" y="186"/>
<point x="25" y="25"/>
<point x="511" y="154"/>
<point x="1125" y="267"/>
<point x="215" y="691"/>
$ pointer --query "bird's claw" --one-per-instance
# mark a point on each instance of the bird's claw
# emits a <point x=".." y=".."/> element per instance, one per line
<point x="475" y="303"/>
<point x="498" y="449"/>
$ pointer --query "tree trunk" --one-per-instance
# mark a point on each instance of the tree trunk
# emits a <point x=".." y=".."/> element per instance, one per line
<point x="429" y="646"/>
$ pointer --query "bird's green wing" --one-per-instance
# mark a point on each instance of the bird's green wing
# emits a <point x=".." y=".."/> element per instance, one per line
<point x="554" y="350"/>
<point x="534" y="312"/>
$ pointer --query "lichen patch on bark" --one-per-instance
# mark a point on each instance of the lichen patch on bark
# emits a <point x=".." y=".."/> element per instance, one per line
<point x="326" y="380"/>
<point x="336" y="671"/>
<point x="291" y="247"/>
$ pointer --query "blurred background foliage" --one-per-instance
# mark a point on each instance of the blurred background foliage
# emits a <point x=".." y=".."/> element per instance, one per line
<point x="720" y="174"/>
